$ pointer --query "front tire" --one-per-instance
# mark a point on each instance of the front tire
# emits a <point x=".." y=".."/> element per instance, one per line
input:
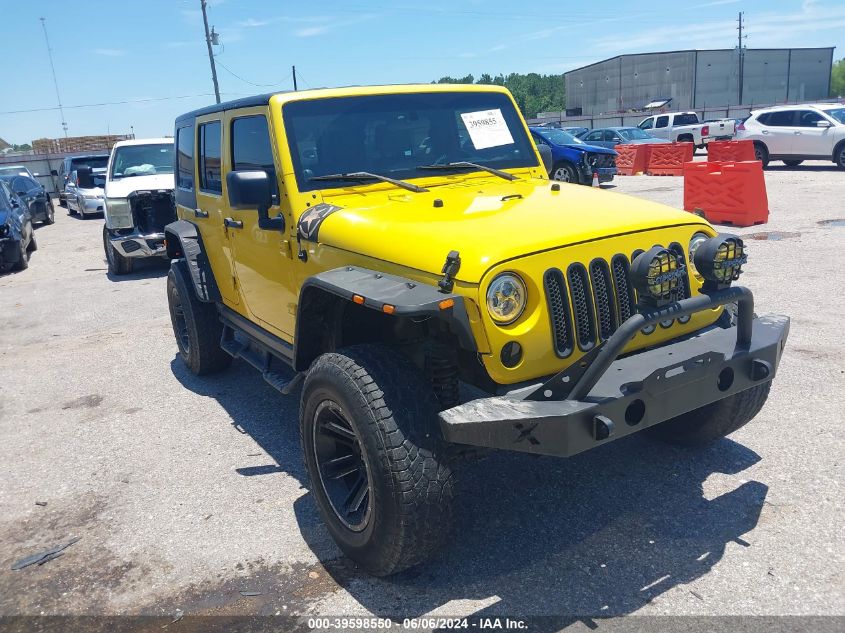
<point x="839" y="156"/>
<point x="565" y="172"/>
<point x="23" y="257"/>
<point x="196" y="325"/>
<point x="50" y="217"/>
<point x="378" y="468"/>
<point x="713" y="421"/>
<point x="118" y="264"/>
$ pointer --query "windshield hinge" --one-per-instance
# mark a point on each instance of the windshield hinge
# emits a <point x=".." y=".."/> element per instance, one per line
<point x="450" y="269"/>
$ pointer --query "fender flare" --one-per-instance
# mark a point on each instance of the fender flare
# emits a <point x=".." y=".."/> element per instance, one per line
<point x="375" y="290"/>
<point x="185" y="242"/>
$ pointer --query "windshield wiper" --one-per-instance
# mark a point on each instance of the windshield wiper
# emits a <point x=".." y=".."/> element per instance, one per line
<point x="365" y="175"/>
<point x="467" y="165"/>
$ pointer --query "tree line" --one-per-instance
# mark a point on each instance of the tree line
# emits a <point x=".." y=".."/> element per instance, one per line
<point x="533" y="93"/>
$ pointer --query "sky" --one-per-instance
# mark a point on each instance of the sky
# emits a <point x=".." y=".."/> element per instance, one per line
<point x="146" y="60"/>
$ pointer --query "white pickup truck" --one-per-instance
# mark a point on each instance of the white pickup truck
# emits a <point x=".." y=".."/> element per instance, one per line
<point x="686" y="127"/>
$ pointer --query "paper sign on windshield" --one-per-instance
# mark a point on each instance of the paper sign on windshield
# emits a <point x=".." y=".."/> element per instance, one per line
<point x="487" y="128"/>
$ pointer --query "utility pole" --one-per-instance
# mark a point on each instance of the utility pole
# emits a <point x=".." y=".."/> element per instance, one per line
<point x="294" y="78"/>
<point x="53" y="69"/>
<point x="208" y="42"/>
<point x="741" y="58"/>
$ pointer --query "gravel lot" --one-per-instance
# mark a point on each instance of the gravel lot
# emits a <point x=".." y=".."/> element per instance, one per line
<point x="187" y="491"/>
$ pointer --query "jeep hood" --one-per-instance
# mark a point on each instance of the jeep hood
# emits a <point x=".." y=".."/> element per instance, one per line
<point x="122" y="187"/>
<point x="486" y="222"/>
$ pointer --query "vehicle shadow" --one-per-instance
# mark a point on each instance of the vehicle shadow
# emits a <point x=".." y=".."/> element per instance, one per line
<point x="600" y="534"/>
<point x="811" y="168"/>
<point x="144" y="268"/>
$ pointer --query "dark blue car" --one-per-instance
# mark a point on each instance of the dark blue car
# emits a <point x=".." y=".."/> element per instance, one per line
<point x="572" y="159"/>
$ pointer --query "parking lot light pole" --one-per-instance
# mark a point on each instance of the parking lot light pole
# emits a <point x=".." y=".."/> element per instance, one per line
<point x="210" y="53"/>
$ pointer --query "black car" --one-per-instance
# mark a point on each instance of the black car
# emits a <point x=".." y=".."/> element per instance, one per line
<point x="34" y="196"/>
<point x="17" y="238"/>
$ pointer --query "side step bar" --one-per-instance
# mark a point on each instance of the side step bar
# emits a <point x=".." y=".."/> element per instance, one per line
<point x="270" y="356"/>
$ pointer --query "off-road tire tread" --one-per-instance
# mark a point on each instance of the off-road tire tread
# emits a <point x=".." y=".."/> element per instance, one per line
<point x="715" y="420"/>
<point x="413" y="457"/>
<point x="204" y="326"/>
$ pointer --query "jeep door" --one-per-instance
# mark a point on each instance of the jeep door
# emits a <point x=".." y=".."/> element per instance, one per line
<point x="199" y="196"/>
<point x="262" y="257"/>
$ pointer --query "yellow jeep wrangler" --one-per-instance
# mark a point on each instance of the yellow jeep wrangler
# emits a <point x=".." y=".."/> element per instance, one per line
<point x="399" y="253"/>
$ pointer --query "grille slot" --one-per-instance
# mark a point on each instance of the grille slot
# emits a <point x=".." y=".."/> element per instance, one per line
<point x="558" y="301"/>
<point x="582" y="306"/>
<point x="603" y="296"/>
<point x="622" y="285"/>
<point x="587" y="307"/>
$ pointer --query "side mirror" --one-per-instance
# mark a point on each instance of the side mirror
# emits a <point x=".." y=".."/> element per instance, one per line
<point x="823" y="124"/>
<point x="546" y="155"/>
<point x="53" y="172"/>
<point x="251" y="190"/>
<point x="85" y="177"/>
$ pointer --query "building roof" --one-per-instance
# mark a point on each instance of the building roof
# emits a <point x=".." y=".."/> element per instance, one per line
<point x="702" y="50"/>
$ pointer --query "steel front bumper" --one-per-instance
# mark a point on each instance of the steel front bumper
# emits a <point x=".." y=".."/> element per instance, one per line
<point x="137" y="244"/>
<point x="606" y="397"/>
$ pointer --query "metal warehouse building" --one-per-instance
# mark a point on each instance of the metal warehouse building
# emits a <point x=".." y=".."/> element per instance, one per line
<point x="699" y="79"/>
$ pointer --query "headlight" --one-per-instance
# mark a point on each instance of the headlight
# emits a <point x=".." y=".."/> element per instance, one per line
<point x="118" y="213"/>
<point x="719" y="259"/>
<point x="657" y="275"/>
<point x="506" y="298"/>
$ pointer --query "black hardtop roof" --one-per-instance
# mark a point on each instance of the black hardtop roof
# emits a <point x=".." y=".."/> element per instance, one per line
<point x="245" y="102"/>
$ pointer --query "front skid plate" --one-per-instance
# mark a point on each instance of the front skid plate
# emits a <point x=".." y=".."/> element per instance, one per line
<point x="636" y="392"/>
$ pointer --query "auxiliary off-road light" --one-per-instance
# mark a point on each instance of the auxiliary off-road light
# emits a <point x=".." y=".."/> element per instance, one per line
<point x="719" y="260"/>
<point x="657" y="275"/>
<point x="506" y="298"/>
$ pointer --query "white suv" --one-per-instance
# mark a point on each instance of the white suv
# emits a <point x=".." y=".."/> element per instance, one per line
<point x="797" y="133"/>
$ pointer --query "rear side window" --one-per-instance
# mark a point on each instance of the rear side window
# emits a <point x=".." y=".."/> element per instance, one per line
<point x="210" y="168"/>
<point x="594" y="136"/>
<point x="185" y="157"/>
<point x="781" y="118"/>
<point x="686" y="119"/>
<point x="662" y="121"/>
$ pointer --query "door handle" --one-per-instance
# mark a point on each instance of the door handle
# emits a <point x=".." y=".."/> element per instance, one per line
<point x="199" y="213"/>
<point x="765" y="131"/>
<point x="231" y="223"/>
<point x="797" y="132"/>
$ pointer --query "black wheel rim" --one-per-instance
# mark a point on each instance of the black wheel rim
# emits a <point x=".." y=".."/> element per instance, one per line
<point x="344" y="476"/>
<point x="180" y="323"/>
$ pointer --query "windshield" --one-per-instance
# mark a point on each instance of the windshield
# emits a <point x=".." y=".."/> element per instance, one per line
<point x="634" y="133"/>
<point x="394" y="135"/>
<point x="142" y="160"/>
<point x="838" y="114"/>
<point x="560" y="137"/>
<point x="94" y="162"/>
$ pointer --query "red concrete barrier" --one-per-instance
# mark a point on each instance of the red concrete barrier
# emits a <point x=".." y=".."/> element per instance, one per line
<point x="727" y="193"/>
<point x="667" y="159"/>
<point x="730" y="151"/>
<point x="631" y="160"/>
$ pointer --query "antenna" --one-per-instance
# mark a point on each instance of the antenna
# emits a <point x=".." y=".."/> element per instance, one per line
<point x="53" y="69"/>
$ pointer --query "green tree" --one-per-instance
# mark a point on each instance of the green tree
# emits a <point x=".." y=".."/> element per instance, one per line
<point x="533" y="93"/>
<point x="837" y="79"/>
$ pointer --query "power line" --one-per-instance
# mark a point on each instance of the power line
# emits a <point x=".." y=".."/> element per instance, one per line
<point x="252" y="83"/>
<point x="113" y="103"/>
<point x="53" y="69"/>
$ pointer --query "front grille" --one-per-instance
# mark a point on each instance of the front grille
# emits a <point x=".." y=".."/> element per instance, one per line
<point x="602" y="160"/>
<point x="152" y="210"/>
<point x="587" y="307"/>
